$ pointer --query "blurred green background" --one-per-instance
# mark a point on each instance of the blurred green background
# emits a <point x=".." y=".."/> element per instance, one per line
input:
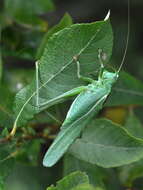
<point x="19" y="42"/>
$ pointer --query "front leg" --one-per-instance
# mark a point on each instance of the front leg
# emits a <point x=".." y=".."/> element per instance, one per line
<point x="87" y="79"/>
<point x="63" y="96"/>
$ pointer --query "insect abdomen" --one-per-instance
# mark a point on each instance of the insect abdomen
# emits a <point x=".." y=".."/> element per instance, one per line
<point x="83" y="103"/>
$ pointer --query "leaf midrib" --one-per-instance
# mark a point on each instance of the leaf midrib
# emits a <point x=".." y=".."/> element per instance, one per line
<point x="110" y="146"/>
<point x="52" y="77"/>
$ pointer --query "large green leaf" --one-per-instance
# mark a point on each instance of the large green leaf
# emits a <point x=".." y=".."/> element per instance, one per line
<point x="26" y="12"/>
<point x="127" y="91"/>
<point x="108" y="145"/>
<point x="57" y="68"/>
<point x="74" y="181"/>
<point x="65" y="22"/>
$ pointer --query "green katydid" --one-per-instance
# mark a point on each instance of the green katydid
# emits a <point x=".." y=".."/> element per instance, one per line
<point x="86" y="105"/>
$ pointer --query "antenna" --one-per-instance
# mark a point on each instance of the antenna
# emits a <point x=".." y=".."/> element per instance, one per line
<point x="127" y="40"/>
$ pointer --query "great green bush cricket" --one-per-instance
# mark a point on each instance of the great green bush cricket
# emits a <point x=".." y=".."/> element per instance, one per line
<point x="88" y="103"/>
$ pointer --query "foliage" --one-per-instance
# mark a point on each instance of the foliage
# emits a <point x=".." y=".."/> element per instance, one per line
<point x="16" y="11"/>
<point x="106" y="147"/>
<point x="22" y="30"/>
<point x="105" y="138"/>
<point x="55" y="66"/>
<point x="74" y="181"/>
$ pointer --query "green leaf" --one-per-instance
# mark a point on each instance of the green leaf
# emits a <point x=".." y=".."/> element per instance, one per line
<point x="57" y="69"/>
<point x="65" y="22"/>
<point x="134" y="125"/>
<point x="51" y="188"/>
<point x="26" y="14"/>
<point x="97" y="175"/>
<point x="108" y="145"/>
<point x="79" y="187"/>
<point x="127" y="91"/>
<point x="84" y="187"/>
<point x="74" y="181"/>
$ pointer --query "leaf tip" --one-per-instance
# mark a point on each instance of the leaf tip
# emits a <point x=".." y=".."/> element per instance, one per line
<point x="107" y="16"/>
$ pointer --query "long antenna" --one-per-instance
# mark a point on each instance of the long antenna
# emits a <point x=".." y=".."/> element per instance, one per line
<point x="127" y="40"/>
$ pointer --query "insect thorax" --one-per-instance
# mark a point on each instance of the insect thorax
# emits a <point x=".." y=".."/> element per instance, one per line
<point x="105" y="82"/>
<point x="109" y="77"/>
